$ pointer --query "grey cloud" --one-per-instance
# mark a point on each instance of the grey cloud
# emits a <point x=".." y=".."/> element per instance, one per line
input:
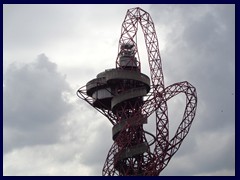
<point x="212" y="153"/>
<point x="33" y="103"/>
<point x="200" y="48"/>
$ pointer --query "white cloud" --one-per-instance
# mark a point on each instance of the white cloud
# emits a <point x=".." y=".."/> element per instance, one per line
<point x="44" y="160"/>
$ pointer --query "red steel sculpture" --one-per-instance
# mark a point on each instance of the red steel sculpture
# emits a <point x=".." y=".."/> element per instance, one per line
<point x="128" y="97"/>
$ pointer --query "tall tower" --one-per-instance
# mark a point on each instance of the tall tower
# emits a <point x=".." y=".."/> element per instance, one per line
<point x="128" y="97"/>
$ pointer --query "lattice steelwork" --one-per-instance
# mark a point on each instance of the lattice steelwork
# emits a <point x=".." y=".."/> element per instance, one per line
<point x="128" y="97"/>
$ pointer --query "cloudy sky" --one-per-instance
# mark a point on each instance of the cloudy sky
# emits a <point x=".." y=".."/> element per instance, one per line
<point x="52" y="50"/>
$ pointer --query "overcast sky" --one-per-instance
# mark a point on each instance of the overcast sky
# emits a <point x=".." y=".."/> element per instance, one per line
<point x="52" y="50"/>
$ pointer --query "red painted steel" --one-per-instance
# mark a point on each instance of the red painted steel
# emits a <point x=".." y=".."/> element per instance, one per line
<point x="132" y="153"/>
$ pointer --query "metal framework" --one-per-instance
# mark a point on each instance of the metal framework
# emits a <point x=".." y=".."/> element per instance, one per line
<point x="128" y="97"/>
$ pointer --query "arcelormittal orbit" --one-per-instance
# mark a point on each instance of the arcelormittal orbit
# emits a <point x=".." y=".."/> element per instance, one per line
<point x="128" y="97"/>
